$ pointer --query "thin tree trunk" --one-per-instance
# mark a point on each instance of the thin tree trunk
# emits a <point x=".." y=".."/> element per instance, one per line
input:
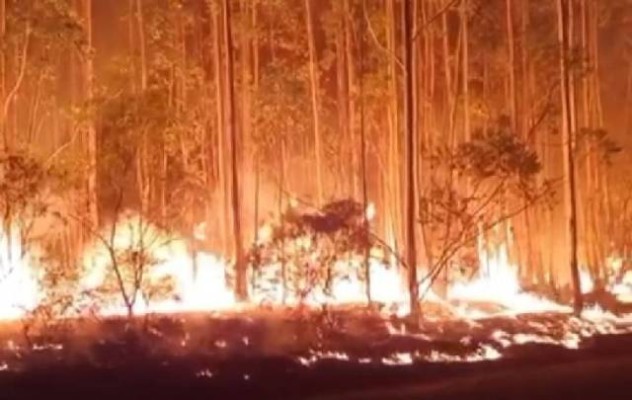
<point x="241" y="289"/>
<point x="142" y="155"/>
<point x="224" y="216"/>
<point x="351" y="95"/>
<point x="466" y="70"/>
<point x="365" y="193"/>
<point x="342" y="94"/>
<point x="313" y="77"/>
<point x="410" y="216"/>
<point x="141" y="44"/>
<point x="3" y="30"/>
<point x="564" y="23"/>
<point x="394" y="201"/>
<point x="513" y="98"/>
<point x="131" y="43"/>
<point x="91" y="140"/>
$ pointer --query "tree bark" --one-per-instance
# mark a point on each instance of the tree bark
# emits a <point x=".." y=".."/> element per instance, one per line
<point x="513" y="99"/>
<point x="349" y="31"/>
<point x="224" y="216"/>
<point x="564" y="22"/>
<point x="313" y="77"/>
<point x="241" y="288"/>
<point x="363" y="166"/>
<point x="3" y="30"/>
<point x="410" y="216"/>
<point x="466" y="70"/>
<point x="91" y="142"/>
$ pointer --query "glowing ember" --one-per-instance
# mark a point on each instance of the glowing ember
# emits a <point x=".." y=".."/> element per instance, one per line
<point x="398" y="359"/>
<point x="206" y="373"/>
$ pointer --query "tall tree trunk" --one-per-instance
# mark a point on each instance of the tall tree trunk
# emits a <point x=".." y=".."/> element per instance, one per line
<point x="466" y="70"/>
<point x="410" y="216"/>
<point x="394" y="199"/>
<point x="241" y="289"/>
<point x="513" y="98"/>
<point x="349" y="30"/>
<point x="131" y="6"/>
<point x="141" y="44"/>
<point x="364" y="179"/>
<point x="313" y="77"/>
<point x="224" y="215"/>
<point x="564" y="22"/>
<point x="142" y="161"/>
<point x="91" y="140"/>
<point x="342" y="99"/>
<point x="3" y="67"/>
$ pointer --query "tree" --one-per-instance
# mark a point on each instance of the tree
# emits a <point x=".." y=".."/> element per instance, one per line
<point x="502" y="170"/>
<point x="232" y="131"/>
<point x="564" y="22"/>
<point x="409" y="135"/>
<point x="123" y="265"/>
<point x="91" y="139"/>
<point x="313" y="65"/>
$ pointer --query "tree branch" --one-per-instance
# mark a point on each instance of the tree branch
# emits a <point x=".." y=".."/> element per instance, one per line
<point x="376" y="40"/>
<point x="433" y="19"/>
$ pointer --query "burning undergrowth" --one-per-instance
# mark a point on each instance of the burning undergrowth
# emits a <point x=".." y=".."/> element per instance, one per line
<point x="320" y="275"/>
<point x="318" y="256"/>
<point x="349" y="335"/>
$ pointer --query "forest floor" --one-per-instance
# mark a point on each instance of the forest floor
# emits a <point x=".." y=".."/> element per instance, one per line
<point x="281" y="354"/>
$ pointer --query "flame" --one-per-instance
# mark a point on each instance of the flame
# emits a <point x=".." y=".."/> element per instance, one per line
<point x="498" y="283"/>
<point x="19" y="291"/>
<point x="586" y="282"/>
<point x="200" y="284"/>
<point x="620" y="283"/>
<point x="199" y="281"/>
<point x="199" y="278"/>
<point x="370" y="212"/>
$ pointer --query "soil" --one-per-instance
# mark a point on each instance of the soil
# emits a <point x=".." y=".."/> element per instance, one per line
<point x="340" y="355"/>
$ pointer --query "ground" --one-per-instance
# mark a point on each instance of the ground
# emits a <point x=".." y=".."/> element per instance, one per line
<point x="352" y="355"/>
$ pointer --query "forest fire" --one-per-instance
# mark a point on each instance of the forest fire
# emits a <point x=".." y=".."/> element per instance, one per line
<point x="167" y="279"/>
<point x="508" y="318"/>
<point x="256" y="198"/>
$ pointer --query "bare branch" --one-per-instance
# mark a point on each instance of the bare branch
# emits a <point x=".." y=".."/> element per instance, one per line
<point x="379" y="45"/>
<point x="434" y="18"/>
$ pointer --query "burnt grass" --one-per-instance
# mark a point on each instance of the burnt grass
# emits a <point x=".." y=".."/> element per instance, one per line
<point x="258" y="354"/>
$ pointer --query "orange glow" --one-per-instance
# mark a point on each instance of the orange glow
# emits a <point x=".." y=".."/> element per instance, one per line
<point x="497" y="282"/>
<point x="200" y="280"/>
<point x="19" y="291"/>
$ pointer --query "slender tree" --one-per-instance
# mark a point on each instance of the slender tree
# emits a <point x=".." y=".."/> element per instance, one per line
<point x="409" y="132"/>
<point x="232" y="130"/>
<point x="363" y="166"/>
<point x="465" y="81"/>
<point x="91" y="133"/>
<point x="3" y="67"/>
<point x="313" y="77"/>
<point x="563" y="24"/>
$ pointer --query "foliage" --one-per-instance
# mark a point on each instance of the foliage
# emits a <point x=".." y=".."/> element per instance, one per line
<point x="126" y="266"/>
<point x="306" y="251"/>
<point x="26" y="189"/>
<point x="497" y="172"/>
<point x="597" y="141"/>
<point x="497" y="155"/>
